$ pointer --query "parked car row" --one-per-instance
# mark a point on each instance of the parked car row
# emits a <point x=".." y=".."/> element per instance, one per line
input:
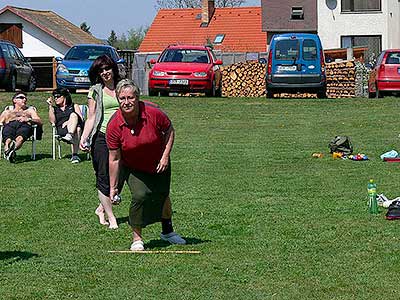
<point x="295" y="62"/>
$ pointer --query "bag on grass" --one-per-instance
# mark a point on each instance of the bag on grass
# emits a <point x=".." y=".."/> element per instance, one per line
<point x="393" y="212"/>
<point x="341" y="144"/>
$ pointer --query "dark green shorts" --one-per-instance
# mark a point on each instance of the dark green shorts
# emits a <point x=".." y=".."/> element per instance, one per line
<point x="149" y="192"/>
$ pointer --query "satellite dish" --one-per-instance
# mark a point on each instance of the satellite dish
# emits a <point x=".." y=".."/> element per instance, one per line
<point x="331" y="4"/>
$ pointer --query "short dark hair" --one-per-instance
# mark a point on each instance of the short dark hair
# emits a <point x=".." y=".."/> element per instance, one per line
<point x="102" y="62"/>
<point x="63" y="92"/>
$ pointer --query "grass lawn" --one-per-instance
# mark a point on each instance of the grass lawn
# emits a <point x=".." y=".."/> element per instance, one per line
<point x="271" y="222"/>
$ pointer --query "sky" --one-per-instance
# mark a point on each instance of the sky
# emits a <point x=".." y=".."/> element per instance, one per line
<point x="102" y="16"/>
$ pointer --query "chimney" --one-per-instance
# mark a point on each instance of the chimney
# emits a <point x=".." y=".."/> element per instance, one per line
<point x="207" y="11"/>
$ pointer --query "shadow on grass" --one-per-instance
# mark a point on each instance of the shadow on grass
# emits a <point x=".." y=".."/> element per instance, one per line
<point x="163" y="244"/>
<point x="15" y="256"/>
<point x="122" y="220"/>
<point x="26" y="158"/>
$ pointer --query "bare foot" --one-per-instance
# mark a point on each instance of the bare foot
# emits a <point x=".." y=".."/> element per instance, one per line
<point x="113" y="223"/>
<point x="100" y="213"/>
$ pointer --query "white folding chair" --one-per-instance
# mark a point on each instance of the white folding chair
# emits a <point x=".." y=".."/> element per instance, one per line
<point x="57" y="139"/>
<point x="33" y="138"/>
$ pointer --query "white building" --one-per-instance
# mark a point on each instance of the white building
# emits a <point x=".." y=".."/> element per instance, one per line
<point x="352" y="23"/>
<point x="40" y="33"/>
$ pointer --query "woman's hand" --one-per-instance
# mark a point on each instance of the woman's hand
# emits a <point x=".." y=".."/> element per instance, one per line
<point x="163" y="164"/>
<point x="113" y="193"/>
<point x="84" y="145"/>
<point x="50" y="101"/>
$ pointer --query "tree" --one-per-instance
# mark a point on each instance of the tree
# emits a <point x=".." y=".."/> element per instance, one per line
<point x="112" y="39"/>
<point x="85" y="27"/>
<point x="131" y="40"/>
<point x="196" y="3"/>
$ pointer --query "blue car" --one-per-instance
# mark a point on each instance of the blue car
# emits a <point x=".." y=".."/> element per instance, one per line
<point x="296" y="63"/>
<point x="73" y="70"/>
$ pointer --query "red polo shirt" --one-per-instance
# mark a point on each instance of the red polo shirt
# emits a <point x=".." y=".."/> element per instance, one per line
<point x="143" y="144"/>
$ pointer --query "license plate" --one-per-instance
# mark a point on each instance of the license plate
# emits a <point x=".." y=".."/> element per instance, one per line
<point x="286" y="68"/>
<point x="82" y="79"/>
<point x="179" y="81"/>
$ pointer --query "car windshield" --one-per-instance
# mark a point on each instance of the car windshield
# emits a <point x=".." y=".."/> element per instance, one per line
<point x="287" y="49"/>
<point x="393" y="58"/>
<point x="86" y="53"/>
<point x="185" y="56"/>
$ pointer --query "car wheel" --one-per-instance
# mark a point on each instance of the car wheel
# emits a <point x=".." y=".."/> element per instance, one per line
<point x="378" y="94"/>
<point x="12" y="83"/>
<point x="32" y="83"/>
<point x="321" y="94"/>
<point x="211" y="92"/>
<point x="153" y="92"/>
<point x="164" y="93"/>
<point x="371" y="95"/>
<point x="270" y="93"/>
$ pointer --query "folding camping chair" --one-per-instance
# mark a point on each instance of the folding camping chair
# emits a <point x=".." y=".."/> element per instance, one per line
<point x="57" y="138"/>
<point x="33" y="138"/>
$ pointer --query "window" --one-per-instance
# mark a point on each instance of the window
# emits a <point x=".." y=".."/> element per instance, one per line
<point x="12" y="52"/>
<point x="361" y="5"/>
<point x="309" y="50"/>
<point x="219" y="38"/>
<point x="372" y="42"/>
<point x="297" y="13"/>
<point x="287" y="49"/>
<point x="393" y="58"/>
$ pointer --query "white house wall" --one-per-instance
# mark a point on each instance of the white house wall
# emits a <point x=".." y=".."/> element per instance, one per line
<point x="36" y="42"/>
<point x="332" y="24"/>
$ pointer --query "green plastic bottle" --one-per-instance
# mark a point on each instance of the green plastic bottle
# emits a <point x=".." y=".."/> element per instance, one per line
<point x="372" y="203"/>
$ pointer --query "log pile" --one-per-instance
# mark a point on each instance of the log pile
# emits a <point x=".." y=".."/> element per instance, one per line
<point x="243" y="79"/>
<point x="340" y="79"/>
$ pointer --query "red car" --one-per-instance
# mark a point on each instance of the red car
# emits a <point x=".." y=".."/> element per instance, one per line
<point x="185" y="68"/>
<point x="385" y="76"/>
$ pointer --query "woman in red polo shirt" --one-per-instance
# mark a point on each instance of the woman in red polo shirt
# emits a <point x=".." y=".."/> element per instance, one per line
<point x="140" y="138"/>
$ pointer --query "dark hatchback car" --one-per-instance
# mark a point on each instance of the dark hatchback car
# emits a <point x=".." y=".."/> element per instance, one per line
<point x="15" y="69"/>
<point x="385" y="76"/>
<point x="73" y="70"/>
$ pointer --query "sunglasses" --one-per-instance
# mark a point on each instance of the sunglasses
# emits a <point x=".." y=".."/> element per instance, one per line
<point x="57" y="95"/>
<point x="107" y="68"/>
<point x="20" y="97"/>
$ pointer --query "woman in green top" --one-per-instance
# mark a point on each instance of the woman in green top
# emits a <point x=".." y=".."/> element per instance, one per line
<point x="102" y="104"/>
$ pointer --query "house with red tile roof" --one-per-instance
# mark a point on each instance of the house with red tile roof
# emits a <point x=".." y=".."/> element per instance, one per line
<point x="41" y="33"/>
<point x="233" y="29"/>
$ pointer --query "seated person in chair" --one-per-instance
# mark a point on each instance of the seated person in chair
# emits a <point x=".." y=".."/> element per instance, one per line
<point x="67" y="118"/>
<point x="18" y="121"/>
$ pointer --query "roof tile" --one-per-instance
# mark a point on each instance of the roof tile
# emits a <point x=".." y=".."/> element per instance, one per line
<point x="241" y="26"/>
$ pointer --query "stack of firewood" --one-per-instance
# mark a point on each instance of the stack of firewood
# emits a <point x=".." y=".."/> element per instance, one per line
<point x="243" y="79"/>
<point x="340" y="79"/>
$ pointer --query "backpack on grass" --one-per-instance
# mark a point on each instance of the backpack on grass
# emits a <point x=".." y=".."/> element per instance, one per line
<point x="341" y="144"/>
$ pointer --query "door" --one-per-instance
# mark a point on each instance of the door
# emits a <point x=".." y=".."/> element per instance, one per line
<point x="26" y="69"/>
<point x="285" y="62"/>
<point x="310" y="61"/>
